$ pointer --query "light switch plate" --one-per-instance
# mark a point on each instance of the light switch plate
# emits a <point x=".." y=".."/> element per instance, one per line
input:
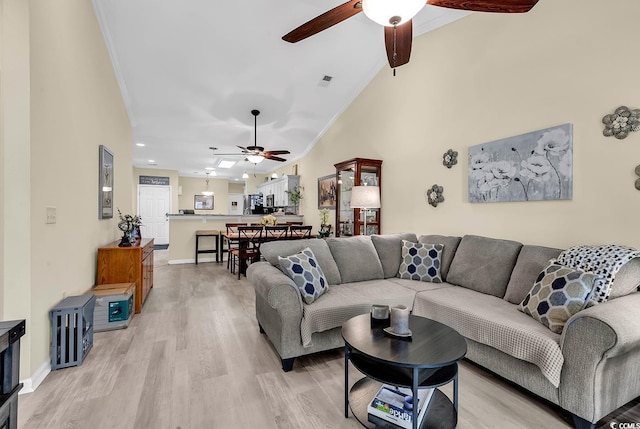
<point x="51" y="214"/>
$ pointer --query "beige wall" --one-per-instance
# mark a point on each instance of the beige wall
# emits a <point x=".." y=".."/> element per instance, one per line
<point x="15" y="184"/>
<point x="74" y="106"/>
<point x="192" y="186"/>
<point x="491" y="76"/>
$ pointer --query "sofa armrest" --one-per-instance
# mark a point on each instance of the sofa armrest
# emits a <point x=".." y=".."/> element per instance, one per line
<point x="601" y="348"/>
<point x="274" y="286"/>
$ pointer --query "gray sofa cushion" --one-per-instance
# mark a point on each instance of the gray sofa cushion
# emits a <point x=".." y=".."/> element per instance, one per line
<point x="484" y="264"/>
<point x="389" y="248"/>
<point x="356" y="258"/>
<point x="627" y="279"/>
<point x="348" y="300"/>
<point x="272" y="249"/>
<point x="531" y="262"/>
<point x="495" y="322"/>
<point x="450" y="247"/>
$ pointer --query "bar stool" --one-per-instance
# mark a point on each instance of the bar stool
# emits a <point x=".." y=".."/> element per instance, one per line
<point x="208" y="233"/>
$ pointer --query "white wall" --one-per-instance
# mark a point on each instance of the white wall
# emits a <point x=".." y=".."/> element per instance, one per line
<point x="490" y="76"/>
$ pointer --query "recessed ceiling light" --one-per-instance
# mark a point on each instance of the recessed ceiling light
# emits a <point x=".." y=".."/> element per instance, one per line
<point x="140" y="144"/>
<point x="151" y="161"/>
<point x="225" y="163"/>
<point x="209" y="168"/>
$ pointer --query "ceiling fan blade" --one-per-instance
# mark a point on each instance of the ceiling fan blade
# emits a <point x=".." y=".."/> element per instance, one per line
<point x="324" y="21"/>
<point x="277" y="152"/>
<point x="244" y="149"/>
<point x="273" y="158"/>
<point x="498" y="6"/>
<point x="399" y="44"/>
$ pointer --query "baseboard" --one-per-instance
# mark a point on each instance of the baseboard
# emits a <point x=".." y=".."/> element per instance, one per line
<point x="190" y="261"/>
<point x="31" y="384"/>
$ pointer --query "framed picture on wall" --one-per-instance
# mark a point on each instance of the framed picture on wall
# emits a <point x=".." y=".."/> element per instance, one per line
<point x="105" y="183"/>
<point x="327" y="192"/>
<point x="203" y="202"/>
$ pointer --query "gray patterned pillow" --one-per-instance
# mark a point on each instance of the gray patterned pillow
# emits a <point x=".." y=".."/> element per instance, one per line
<point x="558" y="293"/>
<point x="306" y="273"/>
<point x="421" y="262"/>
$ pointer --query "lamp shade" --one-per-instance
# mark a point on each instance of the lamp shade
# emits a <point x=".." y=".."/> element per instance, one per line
<point x="382" y="11"/>
<point x="365" y="197"/>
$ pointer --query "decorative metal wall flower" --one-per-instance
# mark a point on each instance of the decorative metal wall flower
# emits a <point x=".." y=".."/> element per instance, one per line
<point x="621" y="122"/>
<point x="434" y="195"/>
<point x="450" y="158"/>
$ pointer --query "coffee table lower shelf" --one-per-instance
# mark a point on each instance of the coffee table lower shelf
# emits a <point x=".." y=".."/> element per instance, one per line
<point x="441" y="413"/>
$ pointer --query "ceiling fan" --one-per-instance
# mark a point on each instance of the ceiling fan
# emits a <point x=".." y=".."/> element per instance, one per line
<point x="256" y="154"/>
<point x="396" y="17"/>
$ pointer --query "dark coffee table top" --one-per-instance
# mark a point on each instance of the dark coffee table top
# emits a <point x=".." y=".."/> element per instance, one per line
<point x="433" y="344"/>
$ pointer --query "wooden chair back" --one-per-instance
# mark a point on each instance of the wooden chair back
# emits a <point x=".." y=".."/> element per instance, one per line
<point x="275" y="232"/>
<point x="300" y="231"/>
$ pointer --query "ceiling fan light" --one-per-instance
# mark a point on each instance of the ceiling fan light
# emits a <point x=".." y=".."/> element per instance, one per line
<point x="255" y="159"/>
<point x="381" y="11"/>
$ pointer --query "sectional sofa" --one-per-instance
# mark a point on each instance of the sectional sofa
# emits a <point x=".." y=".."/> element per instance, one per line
<point x="589" y="369"/>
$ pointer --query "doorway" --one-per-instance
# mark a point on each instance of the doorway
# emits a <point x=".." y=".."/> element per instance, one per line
<point x="154" y="202"/>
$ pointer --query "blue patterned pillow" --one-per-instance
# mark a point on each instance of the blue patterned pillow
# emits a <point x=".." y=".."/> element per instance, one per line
<point x="304" y="270"/>
<point x="421" y="262"/>
<point x="558" y="293"/>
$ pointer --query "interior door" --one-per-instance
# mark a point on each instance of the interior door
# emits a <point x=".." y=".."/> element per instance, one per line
<point x="154" y="202"/>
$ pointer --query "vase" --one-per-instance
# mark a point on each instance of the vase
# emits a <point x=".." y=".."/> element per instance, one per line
<point x="125" y="241"/>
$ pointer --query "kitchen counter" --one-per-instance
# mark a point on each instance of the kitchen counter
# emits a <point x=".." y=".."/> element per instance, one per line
<point x="183" y="227"/>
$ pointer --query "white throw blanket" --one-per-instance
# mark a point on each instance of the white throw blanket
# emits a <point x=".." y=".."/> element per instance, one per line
<point x="604" y="261"/>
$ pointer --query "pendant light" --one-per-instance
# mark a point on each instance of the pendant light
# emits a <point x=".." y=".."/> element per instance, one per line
<point x="245" y="175"/>
<point x="207" y="192"/>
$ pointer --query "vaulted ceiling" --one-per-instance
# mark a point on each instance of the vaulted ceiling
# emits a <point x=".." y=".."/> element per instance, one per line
<point x="191" y="71"/>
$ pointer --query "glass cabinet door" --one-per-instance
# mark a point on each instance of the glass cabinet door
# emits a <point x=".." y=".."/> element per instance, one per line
<point x="356" y="172"/>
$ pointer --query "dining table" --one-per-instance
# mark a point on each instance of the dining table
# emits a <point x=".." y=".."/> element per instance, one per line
<point x="246" y="237"/>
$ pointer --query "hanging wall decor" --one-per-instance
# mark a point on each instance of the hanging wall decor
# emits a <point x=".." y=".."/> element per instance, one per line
<point x="530" y="167"/>
<point x="434" y="195"/>
<point x="638" y="180"/>
<point x="621" y="122"/>
<point x="450" y="158"/>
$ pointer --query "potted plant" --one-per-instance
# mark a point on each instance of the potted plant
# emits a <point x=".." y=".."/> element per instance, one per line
<point x="295" y="195"/>
<point x="325" y="227"/>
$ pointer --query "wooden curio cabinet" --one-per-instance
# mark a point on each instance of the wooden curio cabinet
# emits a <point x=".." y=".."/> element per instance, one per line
<point x="356" y="172"/>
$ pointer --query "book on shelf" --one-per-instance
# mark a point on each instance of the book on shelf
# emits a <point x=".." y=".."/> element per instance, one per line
<point x="393" y="404"/>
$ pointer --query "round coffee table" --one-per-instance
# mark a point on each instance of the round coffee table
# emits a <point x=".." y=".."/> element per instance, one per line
<point x="428" y="360"/>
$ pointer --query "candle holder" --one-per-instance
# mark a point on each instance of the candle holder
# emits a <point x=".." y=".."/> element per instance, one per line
<point x="380" y="316"/>
<point x="399" y="322"/>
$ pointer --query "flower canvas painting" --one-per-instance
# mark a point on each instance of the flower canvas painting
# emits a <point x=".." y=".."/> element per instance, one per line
<point x="530" y="167"/>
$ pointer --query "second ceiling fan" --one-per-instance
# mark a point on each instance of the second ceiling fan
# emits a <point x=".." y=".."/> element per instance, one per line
<point x="396" y="17"/>
<point x="255" y="153"/>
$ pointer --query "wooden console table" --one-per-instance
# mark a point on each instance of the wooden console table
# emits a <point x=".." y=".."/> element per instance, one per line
<point x="128" y="265"/>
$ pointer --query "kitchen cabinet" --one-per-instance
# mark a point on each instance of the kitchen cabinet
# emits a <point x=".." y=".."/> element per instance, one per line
<point x="278" y="188"/>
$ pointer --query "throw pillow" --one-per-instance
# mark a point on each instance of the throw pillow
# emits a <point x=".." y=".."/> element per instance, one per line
<point x="558" y="293"/>
<point x="421" y="262"/>
<point x="306" y="273"/>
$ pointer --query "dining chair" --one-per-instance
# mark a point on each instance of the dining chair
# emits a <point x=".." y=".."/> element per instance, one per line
<point x="249" y="239"/>
<point x="295" y="223"/>
<point x="276" y="232"/>
<point x="231" y="241"/>
<point x="300" y="231"/>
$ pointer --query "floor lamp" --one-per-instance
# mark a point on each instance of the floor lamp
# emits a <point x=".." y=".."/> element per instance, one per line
<point x="365" y="197"/>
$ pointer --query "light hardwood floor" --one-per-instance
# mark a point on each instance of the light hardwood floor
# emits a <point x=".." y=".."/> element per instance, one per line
<point x="194" y="359"/>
